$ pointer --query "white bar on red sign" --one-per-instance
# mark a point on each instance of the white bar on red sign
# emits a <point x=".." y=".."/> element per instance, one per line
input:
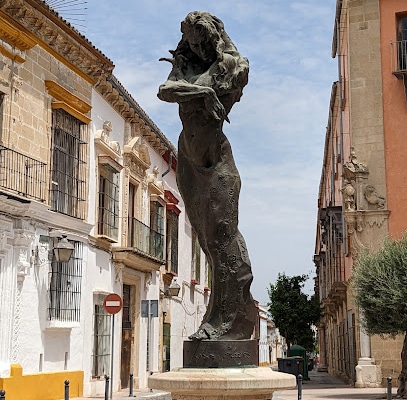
<point x="113" y="304"/>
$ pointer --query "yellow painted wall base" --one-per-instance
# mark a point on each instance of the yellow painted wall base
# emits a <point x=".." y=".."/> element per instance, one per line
<point x="41" y="386"/>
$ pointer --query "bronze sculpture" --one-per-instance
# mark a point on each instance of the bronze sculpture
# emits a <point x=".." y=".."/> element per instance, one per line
<point x="207" y="78"/>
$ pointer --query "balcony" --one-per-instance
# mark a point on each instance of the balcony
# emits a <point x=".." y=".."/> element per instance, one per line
<point x="399" y="58"/>
<point x="22" y="175"/>
<point x="145" y="240"/>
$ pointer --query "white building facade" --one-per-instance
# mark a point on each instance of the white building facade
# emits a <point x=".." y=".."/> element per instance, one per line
<point x="272" y="345"/>
<point x="80" y="160"/>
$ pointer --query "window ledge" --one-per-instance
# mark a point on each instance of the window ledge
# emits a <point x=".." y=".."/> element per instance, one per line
<point x="56" y="324"/>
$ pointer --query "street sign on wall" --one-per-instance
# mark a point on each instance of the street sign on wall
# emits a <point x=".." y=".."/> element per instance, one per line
<point x="149" y="306"/>
<point x="113" y="303"/>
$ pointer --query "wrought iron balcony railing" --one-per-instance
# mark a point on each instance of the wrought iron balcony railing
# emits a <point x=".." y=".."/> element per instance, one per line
<point x="146" y="240"/>
<point x="399" y="58"/>
<point x="22" y="175"/>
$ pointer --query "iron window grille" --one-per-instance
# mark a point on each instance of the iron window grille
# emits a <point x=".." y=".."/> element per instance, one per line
<point x="65" y="286"/>
<point x="108" y="219"/>
<point x="68" y="171"/>
<point x="157" y="226"/>
<point x="101" y="339"/>
<point x="172" y="241"/>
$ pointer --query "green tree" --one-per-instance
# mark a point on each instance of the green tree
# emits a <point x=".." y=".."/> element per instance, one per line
<point x="379" y="282"/>
<point x="292" y="311"/>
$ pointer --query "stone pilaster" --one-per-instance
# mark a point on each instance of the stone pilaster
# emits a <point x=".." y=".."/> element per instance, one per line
<point x="7" y="290"/>
<point x="23" y="237"/>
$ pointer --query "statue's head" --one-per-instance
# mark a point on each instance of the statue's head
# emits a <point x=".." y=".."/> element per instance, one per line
<point x="203" y="32"/>
<point x="204" y="39"/>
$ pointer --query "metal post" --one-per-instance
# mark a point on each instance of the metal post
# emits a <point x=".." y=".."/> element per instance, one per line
<point x="66" y="390"/>
<point x="149" y="337"/>
<point x="389" y="388"/>
<point x="131" y="386"/>
<point x="2" y="395"/>
<point x="112" y="359"/>
<point x="299" y="387"/>
<point x="107" y="387"/>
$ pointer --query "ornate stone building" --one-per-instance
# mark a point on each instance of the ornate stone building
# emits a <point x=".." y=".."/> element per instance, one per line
<point x="83" y="166"/>
<point x="362" y="189"/>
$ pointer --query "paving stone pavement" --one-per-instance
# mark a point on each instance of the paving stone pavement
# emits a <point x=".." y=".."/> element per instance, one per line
<point x="321" y="386"/>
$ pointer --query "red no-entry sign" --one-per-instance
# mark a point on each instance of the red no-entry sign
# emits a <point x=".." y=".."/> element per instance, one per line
<point x="113" y="303"/>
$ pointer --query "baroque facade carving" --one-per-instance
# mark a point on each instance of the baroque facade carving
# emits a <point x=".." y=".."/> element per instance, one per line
<point x="363" y="205"/>
<point x="102" y="140"/>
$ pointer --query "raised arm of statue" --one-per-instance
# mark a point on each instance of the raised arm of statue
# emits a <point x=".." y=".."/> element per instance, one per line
<point x="182" y="91"/>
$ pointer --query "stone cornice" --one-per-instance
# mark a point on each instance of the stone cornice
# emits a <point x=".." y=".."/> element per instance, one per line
<point x="14" y="36"/>
<point x="116" y="95"/>
<point x="61" y="94"/>
<point x="38" y="23"/>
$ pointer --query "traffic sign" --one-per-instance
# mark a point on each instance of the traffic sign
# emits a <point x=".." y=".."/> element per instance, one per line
<point x="113" y="303"/>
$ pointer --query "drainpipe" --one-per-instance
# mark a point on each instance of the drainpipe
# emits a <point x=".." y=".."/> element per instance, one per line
<point x="169" y="165"/>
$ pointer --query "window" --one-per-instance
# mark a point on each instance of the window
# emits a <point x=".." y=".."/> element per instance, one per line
<point x="101" y="339"/>
<point x="68" y="185"/>
<point x="132" y="207"/>
<point x="1" y="114"/>
<point x="108" y="219"/>
<point x="196" y="259"/>
<point x="157" y="229"/>
<point x="172" y="241"/>
<point x="402" y="43"/>
<point x="208" y="276"/>
<point x="65" y="286"/>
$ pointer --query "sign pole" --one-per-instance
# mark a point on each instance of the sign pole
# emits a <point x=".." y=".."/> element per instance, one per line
<point x="149" y="337"/>
<point x="113" y="303"/>
<point x="111" y="363"/>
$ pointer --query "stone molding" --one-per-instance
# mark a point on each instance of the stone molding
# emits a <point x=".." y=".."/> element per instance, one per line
<point x="68" y="101"/>
<point x="38" y="23"/>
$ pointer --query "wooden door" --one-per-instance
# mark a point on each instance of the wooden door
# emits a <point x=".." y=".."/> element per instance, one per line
<point x="126" y="339"/>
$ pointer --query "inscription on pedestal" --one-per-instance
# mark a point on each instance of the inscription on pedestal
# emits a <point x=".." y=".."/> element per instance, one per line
<point x="221" y="353"/>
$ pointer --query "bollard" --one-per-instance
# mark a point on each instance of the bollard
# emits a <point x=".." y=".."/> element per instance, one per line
<point x="151" y="373"/>
<point x="2" y="395"/>
<point x="299" y="387"/>
<point x="131" y="386"/>
<point x="107" y="387"/>
<point x="389" y="388"/>
<point x="66" y="395"/>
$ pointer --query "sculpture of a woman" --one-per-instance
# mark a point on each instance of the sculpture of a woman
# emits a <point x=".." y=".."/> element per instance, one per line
<point x="207" y="78"/>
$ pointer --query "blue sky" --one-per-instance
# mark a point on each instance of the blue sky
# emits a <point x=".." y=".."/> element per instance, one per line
<point x="277" y="130"/>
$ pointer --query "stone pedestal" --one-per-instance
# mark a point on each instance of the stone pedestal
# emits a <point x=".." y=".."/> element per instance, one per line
<point x="221" y="353"/>
<point x="256" y="383"/>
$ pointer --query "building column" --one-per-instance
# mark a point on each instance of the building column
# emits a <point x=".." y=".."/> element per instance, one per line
<point x="366" y="370"/>
<point x="322" y="367"/>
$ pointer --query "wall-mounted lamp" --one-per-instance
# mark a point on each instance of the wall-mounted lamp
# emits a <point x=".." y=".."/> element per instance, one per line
<point x="173" y="289"/>
<point x="63" y="250"/>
